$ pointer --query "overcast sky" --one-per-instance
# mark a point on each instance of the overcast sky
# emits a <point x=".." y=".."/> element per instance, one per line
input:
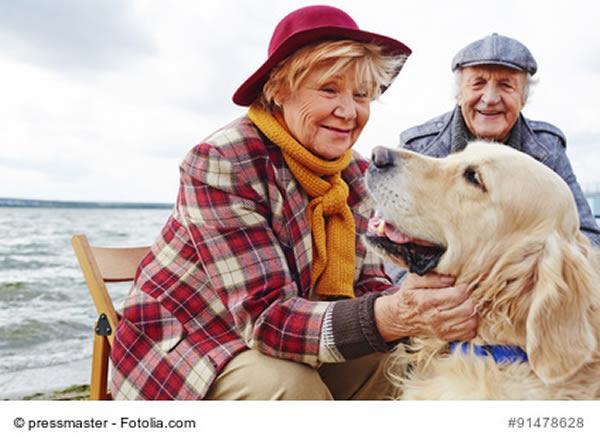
<point x="101" y="99"/>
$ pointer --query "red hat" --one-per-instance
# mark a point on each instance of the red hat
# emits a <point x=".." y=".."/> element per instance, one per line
<point x="309" y="25"/>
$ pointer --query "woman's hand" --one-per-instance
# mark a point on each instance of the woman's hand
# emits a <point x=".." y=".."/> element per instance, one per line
<point x="427" y="306"/>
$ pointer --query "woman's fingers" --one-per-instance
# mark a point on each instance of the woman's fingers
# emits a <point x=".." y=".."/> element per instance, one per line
<point x="428" y="306"/>
<point x="450" y="298"/>
<point x="427" y="281"/>
<point x="448" y="313"/>
<point x="456" y="329"/>
<point x="442" y="299"/>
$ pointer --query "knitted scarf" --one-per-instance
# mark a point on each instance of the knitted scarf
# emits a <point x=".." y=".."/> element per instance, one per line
<point x="330" y="218"/>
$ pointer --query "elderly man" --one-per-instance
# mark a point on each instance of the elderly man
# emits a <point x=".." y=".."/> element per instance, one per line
<point x="493" y="76"/>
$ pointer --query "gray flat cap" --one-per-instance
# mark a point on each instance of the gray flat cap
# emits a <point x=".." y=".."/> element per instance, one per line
<point x="496" y="49"/>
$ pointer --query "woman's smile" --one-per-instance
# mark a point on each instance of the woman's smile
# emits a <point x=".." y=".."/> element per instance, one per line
<point x="338" y="131"/>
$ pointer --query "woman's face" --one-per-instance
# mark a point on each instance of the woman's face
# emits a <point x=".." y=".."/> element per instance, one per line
<point x="326" y="116"/>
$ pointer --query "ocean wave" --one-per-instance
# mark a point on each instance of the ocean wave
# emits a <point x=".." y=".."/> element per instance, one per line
<point x="46" y="313"/>
<point x="31" y="331"/>
<point x="15" y="261"/>
<point x="14" y="292"/>
<point x="45" y="356"/>
<point x="17" y="285"/>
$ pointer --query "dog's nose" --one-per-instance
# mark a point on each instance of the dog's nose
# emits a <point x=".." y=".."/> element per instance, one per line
<point x="382" y="157"/>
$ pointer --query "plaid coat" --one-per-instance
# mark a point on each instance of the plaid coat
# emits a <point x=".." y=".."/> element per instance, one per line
<point x="231" y="270"/>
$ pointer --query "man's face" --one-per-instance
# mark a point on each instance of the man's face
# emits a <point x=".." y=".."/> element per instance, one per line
<point x="491" y="98"/>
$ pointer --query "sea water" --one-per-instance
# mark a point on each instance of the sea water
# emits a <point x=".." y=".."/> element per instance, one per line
<point x="46" y="313"/>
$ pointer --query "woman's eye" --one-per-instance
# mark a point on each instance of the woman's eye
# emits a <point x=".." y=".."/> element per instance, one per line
<point x="328" y="89"/>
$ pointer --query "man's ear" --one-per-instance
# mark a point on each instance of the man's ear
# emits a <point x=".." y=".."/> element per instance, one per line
<point x="526" y="89"/>
<point x="458" y="81"/>
<point x="459" y="97"/>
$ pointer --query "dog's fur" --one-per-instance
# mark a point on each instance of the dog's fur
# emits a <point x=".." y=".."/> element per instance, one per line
<point x="514" y="239"/>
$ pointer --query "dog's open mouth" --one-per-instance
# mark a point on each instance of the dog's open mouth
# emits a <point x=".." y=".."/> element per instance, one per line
<point x="421" y="256"/>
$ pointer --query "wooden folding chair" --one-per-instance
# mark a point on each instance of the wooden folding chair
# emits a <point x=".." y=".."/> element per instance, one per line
<point x="99" y="266"/>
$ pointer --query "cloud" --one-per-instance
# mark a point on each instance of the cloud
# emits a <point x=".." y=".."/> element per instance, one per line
<point x="158" y="78"/>
<point x="72" y="34"/>
<point x="56" y="168"/>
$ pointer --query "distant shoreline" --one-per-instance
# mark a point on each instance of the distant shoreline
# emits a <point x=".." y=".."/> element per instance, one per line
<point x="30" y="203"/>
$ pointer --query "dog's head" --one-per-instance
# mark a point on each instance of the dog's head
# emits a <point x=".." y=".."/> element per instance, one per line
<point x="506" y="225"/>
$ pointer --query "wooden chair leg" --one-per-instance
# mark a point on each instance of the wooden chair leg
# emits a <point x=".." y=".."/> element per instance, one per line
<point x="99" y="381"/>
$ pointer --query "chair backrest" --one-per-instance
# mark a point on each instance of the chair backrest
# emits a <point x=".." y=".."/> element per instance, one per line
<point x="101" y="265"/>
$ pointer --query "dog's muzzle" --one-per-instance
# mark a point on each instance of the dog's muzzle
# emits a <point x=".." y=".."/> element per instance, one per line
<point x="419" y="255"/>
<point x="419" y="258"/>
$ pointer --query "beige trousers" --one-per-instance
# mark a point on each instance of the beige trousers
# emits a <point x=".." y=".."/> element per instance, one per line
<point x="252" y="375"/>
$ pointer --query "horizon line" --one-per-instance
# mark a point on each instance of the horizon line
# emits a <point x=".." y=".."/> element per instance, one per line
<point x="34" y="202"/>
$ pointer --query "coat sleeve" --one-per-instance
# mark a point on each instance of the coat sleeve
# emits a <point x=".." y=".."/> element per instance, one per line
<point x="350" y="330"/>
<point x="223" y="203"/>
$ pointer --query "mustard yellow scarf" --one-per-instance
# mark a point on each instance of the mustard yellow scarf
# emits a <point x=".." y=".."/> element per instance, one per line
<point x="332" y="223"/>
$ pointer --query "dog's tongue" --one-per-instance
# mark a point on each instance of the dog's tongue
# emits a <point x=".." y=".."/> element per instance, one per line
<point x="421" y="256"/>
<point x="396" y="236"/>
<point x="378" y="226"/>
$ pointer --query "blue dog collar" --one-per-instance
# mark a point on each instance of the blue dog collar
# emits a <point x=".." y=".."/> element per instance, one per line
<point x="500" y="353"/>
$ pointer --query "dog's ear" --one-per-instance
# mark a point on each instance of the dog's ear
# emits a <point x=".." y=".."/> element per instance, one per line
<point x="560" y="338"/>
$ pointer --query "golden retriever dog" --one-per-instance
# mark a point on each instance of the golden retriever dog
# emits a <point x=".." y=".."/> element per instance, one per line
<point x="507" y="226"/>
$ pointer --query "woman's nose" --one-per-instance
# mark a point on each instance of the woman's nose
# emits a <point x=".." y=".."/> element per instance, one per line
<point x="346" y="107"/>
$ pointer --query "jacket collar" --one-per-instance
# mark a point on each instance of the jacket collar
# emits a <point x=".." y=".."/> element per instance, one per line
<point x="531" y="144"/>
<point x="461" y="135"/>
<point x="454" y="136"/>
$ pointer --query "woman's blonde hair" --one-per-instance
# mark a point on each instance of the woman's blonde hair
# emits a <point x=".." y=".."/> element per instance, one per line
<point x="372" y="68"/>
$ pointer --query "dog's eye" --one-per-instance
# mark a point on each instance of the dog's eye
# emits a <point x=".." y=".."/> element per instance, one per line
<point x="471" y="176"/>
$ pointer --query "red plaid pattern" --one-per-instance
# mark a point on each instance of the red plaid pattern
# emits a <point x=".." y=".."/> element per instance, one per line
<point x="230" y="270"/>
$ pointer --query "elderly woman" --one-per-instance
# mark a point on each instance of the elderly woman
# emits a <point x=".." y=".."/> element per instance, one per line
<point x="259" y="286"/>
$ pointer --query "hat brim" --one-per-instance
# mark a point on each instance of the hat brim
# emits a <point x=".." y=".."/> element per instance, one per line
<point x="491" y="62"/>
<point x="252" y="87"/>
